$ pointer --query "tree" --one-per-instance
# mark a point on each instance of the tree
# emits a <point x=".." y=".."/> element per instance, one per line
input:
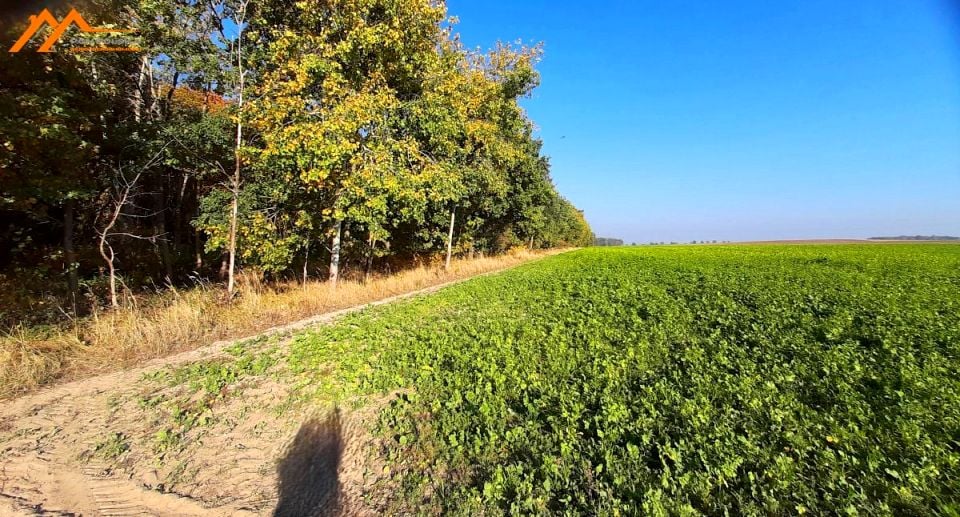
<point x="353" y="131"/>
<point x="239" y="14"/>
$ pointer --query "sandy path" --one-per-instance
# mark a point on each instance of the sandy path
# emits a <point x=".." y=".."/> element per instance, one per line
<point x="254" y="459"/>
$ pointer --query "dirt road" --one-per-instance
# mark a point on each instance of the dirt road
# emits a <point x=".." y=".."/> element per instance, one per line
<point x="145" y="442"/>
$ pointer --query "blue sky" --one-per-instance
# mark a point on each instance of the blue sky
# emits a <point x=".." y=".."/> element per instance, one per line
<point x="744" y="120"/>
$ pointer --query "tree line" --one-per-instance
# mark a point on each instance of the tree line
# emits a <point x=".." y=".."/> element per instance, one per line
<point x="607" y="241"/>
<point x="297" y="138"/>
<point x="917" y="238"/>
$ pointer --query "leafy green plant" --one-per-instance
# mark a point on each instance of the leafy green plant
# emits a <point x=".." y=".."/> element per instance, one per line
<point x="668" y="380"/>
<point x="112" y="447"/>
<point x="206" y="383"/>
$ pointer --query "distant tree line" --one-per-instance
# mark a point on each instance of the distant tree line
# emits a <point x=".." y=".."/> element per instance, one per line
<point x="917" y="238"/>
<point x="661" y="243"/>
<point x="297" y="138"/>
<point x="607" y="241"/>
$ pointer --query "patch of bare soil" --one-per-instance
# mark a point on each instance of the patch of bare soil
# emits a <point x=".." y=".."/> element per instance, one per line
<point x="151" y="448"/>
<point x="151" y="441"/>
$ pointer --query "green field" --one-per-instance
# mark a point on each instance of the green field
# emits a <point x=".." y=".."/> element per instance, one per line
<point x="677" y="380"/>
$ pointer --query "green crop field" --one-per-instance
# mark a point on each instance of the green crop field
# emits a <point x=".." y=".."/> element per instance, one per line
<point x="732" y="380"/>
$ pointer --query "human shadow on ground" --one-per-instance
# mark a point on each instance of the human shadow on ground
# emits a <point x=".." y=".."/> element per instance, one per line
<point x="307" y="473"/>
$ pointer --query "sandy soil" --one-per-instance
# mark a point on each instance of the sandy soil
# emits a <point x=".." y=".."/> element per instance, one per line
<point x="98" y="446"/>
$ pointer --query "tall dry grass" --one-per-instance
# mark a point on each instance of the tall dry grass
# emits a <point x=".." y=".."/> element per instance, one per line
<point x="180" y="320"/>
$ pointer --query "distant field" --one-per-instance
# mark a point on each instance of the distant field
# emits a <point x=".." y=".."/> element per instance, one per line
<point x="816" y="241"/>
<point x="717" y="379"/>
<point x="852" y="241"/>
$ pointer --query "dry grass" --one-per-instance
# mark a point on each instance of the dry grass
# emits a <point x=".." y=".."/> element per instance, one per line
<point x="184" y="320"/>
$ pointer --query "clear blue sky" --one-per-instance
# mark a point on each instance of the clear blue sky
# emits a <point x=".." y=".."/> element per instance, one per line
<point x="744" y="120"/>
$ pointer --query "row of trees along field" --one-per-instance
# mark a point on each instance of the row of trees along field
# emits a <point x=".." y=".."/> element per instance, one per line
<point x="607" y="241"/>
<point x="294" y="138"/>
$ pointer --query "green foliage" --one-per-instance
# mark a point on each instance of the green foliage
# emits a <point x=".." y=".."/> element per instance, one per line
<point x="205" y="384"/>
<point x="371" y="113"/>
<point x="684" y="380"/>
<point x="112" y="447"/>
<point x="369" y="116"/>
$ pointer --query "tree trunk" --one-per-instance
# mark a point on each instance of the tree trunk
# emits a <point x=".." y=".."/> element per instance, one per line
<point x="335" y="255"/>
<point x="306" y="261"/>
<point x="167" y="258"/>
<point x="453" y="215"/>
<point x="73" y="283"/>
<point x="113" y="286"/>
<point x="138" y="91"/>
<point x="197" y="233"/>
<point x="232" y="251"/>
<point x="197" y="250"/>
<point x="106" y="251"/>
<point x="178" y="211"/>
<point x="160" y="230"/>
<point x="366" y="271"/>
<point x="154" y="90"/>
<point x="235" y="202"/>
